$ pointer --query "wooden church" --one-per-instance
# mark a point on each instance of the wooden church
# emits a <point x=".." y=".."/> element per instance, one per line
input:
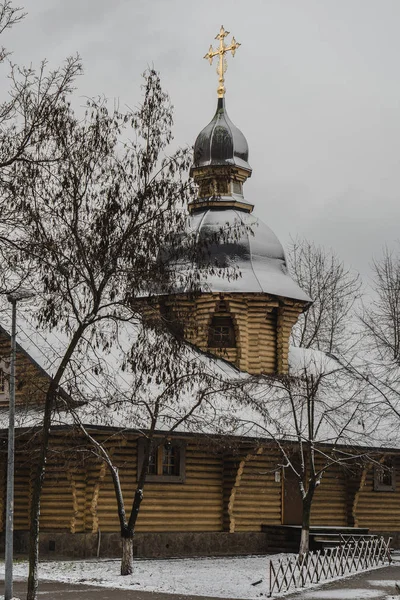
<point x="200" y="498"/>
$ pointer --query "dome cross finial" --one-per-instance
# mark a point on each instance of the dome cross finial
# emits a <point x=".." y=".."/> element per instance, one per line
<point x="220" y="52"/>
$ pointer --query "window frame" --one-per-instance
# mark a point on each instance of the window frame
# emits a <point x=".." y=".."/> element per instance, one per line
<point x="385" y="467"/>
<point x="237" y="187"/>
<point x="158" y="448"/>
<point x="225" y="321"/>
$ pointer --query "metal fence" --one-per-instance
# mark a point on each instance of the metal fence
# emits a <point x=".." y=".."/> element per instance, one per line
<point x="351" y="556"/>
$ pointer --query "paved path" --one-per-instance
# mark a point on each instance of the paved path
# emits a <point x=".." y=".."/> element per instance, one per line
<point x="378" y="585"/>
<point x="64" y="591"/>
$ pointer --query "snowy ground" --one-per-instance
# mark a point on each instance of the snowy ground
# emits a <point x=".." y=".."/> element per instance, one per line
<point x="239" y="577"/>
<point x="220" y="577"/>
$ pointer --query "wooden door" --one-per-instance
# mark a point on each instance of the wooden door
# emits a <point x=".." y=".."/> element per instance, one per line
<point x="292" y="502"/>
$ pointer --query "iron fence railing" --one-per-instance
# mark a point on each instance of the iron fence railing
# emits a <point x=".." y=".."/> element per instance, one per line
<point x="351" y="556"/>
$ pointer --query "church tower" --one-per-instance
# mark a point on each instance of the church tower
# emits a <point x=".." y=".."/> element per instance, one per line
<point x="247" y="302"/>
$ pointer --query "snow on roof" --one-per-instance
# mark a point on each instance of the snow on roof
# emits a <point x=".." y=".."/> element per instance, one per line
<point x="311" y="361"/>
<point x="251" y="250"/>
<point x="238" y="404"/>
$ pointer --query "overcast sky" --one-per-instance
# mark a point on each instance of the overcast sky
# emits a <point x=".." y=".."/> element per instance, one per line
<point x="314" y="87"/>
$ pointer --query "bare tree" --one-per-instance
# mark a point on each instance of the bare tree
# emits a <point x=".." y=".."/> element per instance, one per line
<point x="9" y="16"/>
<point x="381" y="318"/>
<point x="379" y="363"/>
<point x="35" y="104"/>
<point x="329" y="323"/>
<point x="327" y="396"/>
<point x="90" y="229"/>
<point x="166" y="388"/>
<point x="317" y="418"/>
<point x="91" y="226"/>
<point x="31" y="114"/>
<point x="86" y="205"/>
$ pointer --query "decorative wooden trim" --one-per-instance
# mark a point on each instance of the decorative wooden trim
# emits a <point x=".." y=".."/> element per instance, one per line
<point x="236" y="485"/>
<point x="221" y="203"/>
<point x="358" y="492"/>
<point x="75" y="503"/>
<point x="95" y="498"/>
<point x="280" y="341"/>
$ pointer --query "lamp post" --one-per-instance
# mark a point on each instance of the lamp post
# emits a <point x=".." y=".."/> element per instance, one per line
<point x="8" y="579"/>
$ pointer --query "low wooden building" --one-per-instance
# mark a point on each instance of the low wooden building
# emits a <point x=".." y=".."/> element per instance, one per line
<point x="219" y="501"/>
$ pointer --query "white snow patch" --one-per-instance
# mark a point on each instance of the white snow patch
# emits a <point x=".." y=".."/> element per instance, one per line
<point x="218" y="577"/>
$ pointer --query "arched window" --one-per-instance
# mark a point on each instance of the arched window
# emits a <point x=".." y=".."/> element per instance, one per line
<point x="221" y="332"/>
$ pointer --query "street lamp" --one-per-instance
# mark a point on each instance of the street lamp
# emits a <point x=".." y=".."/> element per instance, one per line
<point x="14" y="297"/>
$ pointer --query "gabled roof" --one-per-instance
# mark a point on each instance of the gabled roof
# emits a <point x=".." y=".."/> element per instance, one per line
<point x="262" y="413"/>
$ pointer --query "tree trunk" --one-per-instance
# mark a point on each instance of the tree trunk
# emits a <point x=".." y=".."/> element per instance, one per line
<point x="35" y="508"/>
<point x="305" y="531"/>
<point x="127" y="556"/>
<point x="305" y="525"/>
<point x="41" y="466"/>
<point x="128" y="529"/>
<point x="33" y="556"/>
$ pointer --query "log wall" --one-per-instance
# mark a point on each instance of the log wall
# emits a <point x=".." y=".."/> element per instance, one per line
<point x="262" y="325"/>
<point x="330" y="499"/>
<point x="235" y="493"/>
<point x="195" y="505"/>
<point x="22" y="489"/>
<point x="256" y="497"/>
<point x="79" y="497"/>
<point x="379" y="510"/>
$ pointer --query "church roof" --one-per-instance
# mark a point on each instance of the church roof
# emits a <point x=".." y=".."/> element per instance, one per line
<point x="221" y="143"/>
<point x="242" y="255"/>
<point x="238" y="252"/>
<point x="111" y="404"/>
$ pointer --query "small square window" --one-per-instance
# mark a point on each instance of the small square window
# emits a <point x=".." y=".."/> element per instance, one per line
<point x="167" y="461"/>
<point x="237" y="187"/>
<point x="384" y="476"/>
<point x="221" y="333"/>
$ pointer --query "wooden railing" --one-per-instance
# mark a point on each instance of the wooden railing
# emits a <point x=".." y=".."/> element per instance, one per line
<point x="352" y="556"/>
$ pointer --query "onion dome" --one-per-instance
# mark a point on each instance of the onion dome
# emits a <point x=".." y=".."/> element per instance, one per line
<point x="220" y="164"/>
<point x="221" y="143"/>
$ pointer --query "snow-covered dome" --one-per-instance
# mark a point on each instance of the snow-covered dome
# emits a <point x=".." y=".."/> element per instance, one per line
<point x="245" y="255"/>
<point x="237" y="252"/>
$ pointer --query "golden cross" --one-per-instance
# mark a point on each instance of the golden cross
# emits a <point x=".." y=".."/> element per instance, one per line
<point x="221" y="51"/>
